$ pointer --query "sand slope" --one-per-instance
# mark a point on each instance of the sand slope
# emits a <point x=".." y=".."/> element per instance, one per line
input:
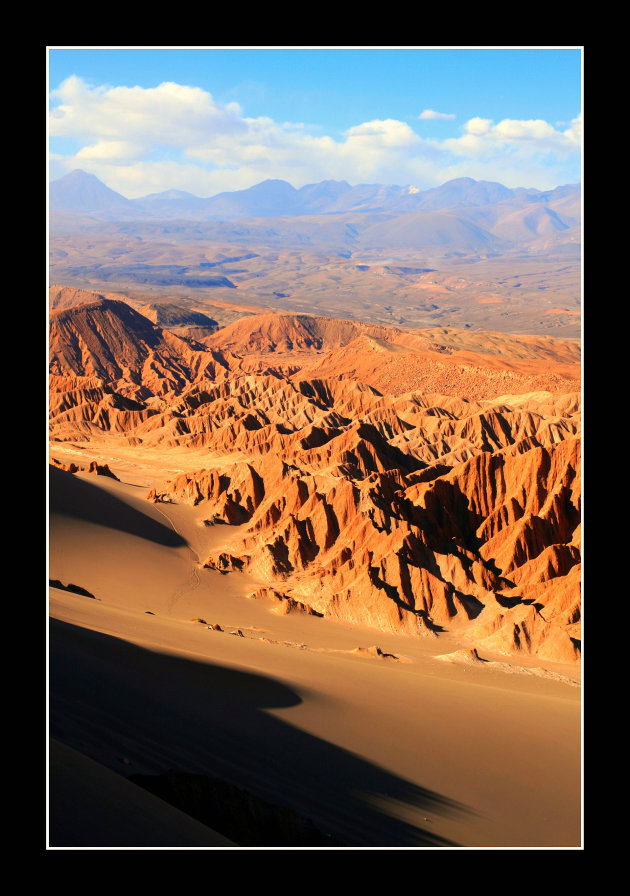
<point x="374" y="753"/>
<point x="92" y="806"/>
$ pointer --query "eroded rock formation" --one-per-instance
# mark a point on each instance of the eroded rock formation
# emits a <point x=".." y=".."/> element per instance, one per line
<point x="414" y="511"/>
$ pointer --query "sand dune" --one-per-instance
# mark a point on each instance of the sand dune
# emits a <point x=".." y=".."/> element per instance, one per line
<point x="327" y="735"/>
<point x="92" y="805"/>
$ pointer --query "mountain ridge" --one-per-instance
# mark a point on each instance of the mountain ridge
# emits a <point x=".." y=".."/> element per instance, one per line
<point x="80" y="192"/>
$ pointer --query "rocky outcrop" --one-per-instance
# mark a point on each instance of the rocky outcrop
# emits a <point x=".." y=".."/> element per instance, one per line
<point x="107" y="339"/>
<point x="283" y="603"/>
<point x="93" y="467"/>
<point x="73" y="589"/>
<point x="465" y="551"/>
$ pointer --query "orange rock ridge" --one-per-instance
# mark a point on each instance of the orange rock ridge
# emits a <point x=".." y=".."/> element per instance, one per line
<point x="416" y="511"/>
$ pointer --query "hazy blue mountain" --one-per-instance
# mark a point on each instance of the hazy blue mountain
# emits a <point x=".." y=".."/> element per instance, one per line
<point x="83" y="193"/>
<point x="463" y="191"/>
<point x="373" y="198"/>
<point x="268" y="199"/>
<point x="169" y="204"/>
<point x="478" y="211"/>
<point x="318" y="198"/>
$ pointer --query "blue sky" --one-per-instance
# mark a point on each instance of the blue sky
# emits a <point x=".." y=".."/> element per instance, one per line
<point x="205" y="120"/>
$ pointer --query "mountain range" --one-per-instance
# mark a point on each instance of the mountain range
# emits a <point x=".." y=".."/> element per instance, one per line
<point x="82" y="193"/>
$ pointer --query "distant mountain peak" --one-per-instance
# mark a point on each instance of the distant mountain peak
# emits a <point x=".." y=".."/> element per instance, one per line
<point x="459" y="180"/>
<point x="78" y="174"/>
<point x="80" y="192"/>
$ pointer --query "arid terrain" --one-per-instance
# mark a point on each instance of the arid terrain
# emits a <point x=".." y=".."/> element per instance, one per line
<point x="469" y="254"/>
<point x="315" y="566"/>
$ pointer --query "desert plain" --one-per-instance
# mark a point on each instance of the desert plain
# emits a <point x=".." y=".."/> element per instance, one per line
<point x="315" y="577"/>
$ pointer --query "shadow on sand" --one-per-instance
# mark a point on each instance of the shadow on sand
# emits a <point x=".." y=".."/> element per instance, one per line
<point x="74" y="497"/>
<point x="119" y="703"/>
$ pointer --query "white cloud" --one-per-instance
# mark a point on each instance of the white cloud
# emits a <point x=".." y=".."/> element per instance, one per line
<point x="528" y="137"/>
<point x="170" y="114"/>
<point x="142" y="140"/>
<point x="110" y="150"/>
<point x="440" y="116"/>
<point x="478" y="126"/>
<point x="383" y="132"/>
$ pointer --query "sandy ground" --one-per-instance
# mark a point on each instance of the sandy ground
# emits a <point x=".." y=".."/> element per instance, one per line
<point x="85" y="806"/>
<point x="398" y="751"/>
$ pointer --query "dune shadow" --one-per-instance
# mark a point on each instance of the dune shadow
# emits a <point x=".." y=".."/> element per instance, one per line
<point x="74" y="497"/>
<point x="166" y="716"/>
